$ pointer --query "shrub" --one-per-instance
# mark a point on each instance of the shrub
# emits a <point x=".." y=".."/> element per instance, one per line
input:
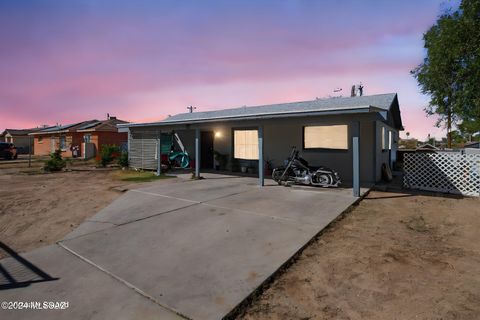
<point x="107" y="154"/>
<point x="123" y="159"/>
<point x="55" y="163"/>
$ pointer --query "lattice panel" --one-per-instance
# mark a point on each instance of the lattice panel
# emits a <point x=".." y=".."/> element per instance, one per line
<point x="444" y="172"/>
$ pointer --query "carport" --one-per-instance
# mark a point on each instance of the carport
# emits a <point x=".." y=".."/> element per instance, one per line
<point x="354" y="136"/>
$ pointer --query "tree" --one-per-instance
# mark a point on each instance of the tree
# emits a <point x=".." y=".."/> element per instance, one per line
<point x="450" y="71"/>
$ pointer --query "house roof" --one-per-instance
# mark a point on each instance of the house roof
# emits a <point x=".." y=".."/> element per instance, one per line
<point x="473" y="144"/>
<point x="378" y="103"/>
<point x="20" y="132"/>
<point x="84" y="126"/>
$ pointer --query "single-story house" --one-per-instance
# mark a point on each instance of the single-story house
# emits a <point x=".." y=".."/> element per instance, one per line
<point x="325" y="130"/>
<point x="82" y="139"/>
<point x="20" y="138"/>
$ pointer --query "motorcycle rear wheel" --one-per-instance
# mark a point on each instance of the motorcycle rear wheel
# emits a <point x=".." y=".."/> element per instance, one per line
<point x="325" y="179"/>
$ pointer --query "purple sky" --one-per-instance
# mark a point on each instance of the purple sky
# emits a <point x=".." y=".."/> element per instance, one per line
<point x="68" y="61"/>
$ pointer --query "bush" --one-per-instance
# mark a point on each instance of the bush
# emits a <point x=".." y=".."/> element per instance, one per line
<point x="123" y="159"/>
<point x="107" y="154"/>
<point x="55" y="163"/>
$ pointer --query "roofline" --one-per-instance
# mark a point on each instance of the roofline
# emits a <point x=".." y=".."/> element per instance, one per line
<point x="336" y="111"/>
<point x="49" y="132"/>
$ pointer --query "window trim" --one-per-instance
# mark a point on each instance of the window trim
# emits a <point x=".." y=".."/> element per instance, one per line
<point x="233" y="141"/>
<point x="327" y="149"/>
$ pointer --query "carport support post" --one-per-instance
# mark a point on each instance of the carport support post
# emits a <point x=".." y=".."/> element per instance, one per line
<point x="197" y="153"/>
<point x="159" y="154"/>
<point x="356" y="167"/>
<point x="261" y="166"/>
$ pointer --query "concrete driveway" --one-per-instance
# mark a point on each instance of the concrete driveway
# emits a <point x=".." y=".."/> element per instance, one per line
<point x="179" y="248"/>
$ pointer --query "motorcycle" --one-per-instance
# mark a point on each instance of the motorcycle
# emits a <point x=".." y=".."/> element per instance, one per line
<point x="298" y="171"/>
<point x="178" y="158"/>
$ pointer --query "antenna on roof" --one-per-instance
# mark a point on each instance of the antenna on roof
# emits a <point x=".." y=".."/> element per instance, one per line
<point x="357" y="90"/>
<point x="337" y="89"/>
<point x="191" y="108"/>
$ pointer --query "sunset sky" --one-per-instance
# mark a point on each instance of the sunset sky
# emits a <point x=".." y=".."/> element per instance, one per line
<point x="68" y="61"/>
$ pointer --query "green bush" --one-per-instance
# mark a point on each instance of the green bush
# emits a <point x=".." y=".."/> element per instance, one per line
<point x="55" y="163"/>
<point x="123" y="159"/>
<point x="107" y="154"/>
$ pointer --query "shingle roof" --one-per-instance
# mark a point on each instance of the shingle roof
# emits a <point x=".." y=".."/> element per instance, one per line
<point x="382" y="101"/>
<point x="20" y="132"/>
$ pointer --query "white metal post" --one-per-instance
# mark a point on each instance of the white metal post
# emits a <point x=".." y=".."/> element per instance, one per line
<point x="261" y="166"/>
<point x="197" y="153"/>
<point x="159" y="154"/>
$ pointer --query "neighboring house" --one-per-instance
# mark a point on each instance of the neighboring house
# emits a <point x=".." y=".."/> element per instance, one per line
<point x="86" y="137"/>
<point x="20" y="138"/>
<point x="323" y="130"/>
<point x="472" y="145"/>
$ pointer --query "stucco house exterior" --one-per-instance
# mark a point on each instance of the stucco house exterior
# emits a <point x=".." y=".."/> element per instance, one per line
<point x="325" y="130"/>
<point x="82" y="139"/>
<point x="20" y="138"/>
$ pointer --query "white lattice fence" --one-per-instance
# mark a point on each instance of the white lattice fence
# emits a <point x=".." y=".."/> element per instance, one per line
<point x="444" y="172"/>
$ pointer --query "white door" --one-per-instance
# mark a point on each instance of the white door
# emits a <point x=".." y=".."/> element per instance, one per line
<point x="52" y="143"/>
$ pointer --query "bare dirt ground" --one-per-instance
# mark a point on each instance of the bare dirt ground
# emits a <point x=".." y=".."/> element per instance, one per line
<point x="39" y="209"/>
<point x="395" y="256"/>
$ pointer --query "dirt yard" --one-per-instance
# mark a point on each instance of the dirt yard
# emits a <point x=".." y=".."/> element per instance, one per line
<point x="395" y="256"/>
<point x="39" y="209"/>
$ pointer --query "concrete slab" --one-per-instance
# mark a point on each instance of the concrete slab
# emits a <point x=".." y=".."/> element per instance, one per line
<point x="88" y="227"/>
<point x="315" y="206"/>
<point x="135" y="205"/>
<point x="90" y="293"/>
<point x="203" y="190"/>
<point x="199" y="260"/>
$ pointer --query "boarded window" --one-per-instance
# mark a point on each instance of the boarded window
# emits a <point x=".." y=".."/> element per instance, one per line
<point x="326" y="137"/>
<point x="245" y="144"/>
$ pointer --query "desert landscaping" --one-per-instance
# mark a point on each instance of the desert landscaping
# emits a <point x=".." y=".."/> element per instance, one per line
<point x="395" y="255"/>
<point x="38" y="209"/>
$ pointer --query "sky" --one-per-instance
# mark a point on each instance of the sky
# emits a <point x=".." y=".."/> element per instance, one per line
<point x="68" y="61"/>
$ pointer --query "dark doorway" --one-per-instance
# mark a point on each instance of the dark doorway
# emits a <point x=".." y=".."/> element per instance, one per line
<point x="206" y="150"/>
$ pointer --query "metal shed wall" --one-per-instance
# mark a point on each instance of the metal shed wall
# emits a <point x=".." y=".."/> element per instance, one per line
<point x="142" y="150"/>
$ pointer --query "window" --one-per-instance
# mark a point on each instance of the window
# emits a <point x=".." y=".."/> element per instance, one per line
<point x="326" y="137"/>
<point x="245" y="144"/>
<point x="384" y="138"/>
<point x="63" y="143"/>
<point x="87" y="138"/>
<point x="390" y="140"/>
<point x="40" y="139"/>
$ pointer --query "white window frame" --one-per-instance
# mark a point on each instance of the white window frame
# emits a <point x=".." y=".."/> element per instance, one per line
<point x="245" y="154"/>
<point x="89" y="135"/>
<point x="326" y="143"/>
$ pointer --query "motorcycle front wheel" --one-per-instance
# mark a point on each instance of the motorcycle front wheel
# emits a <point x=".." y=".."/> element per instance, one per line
<point x="277" y="174"/>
